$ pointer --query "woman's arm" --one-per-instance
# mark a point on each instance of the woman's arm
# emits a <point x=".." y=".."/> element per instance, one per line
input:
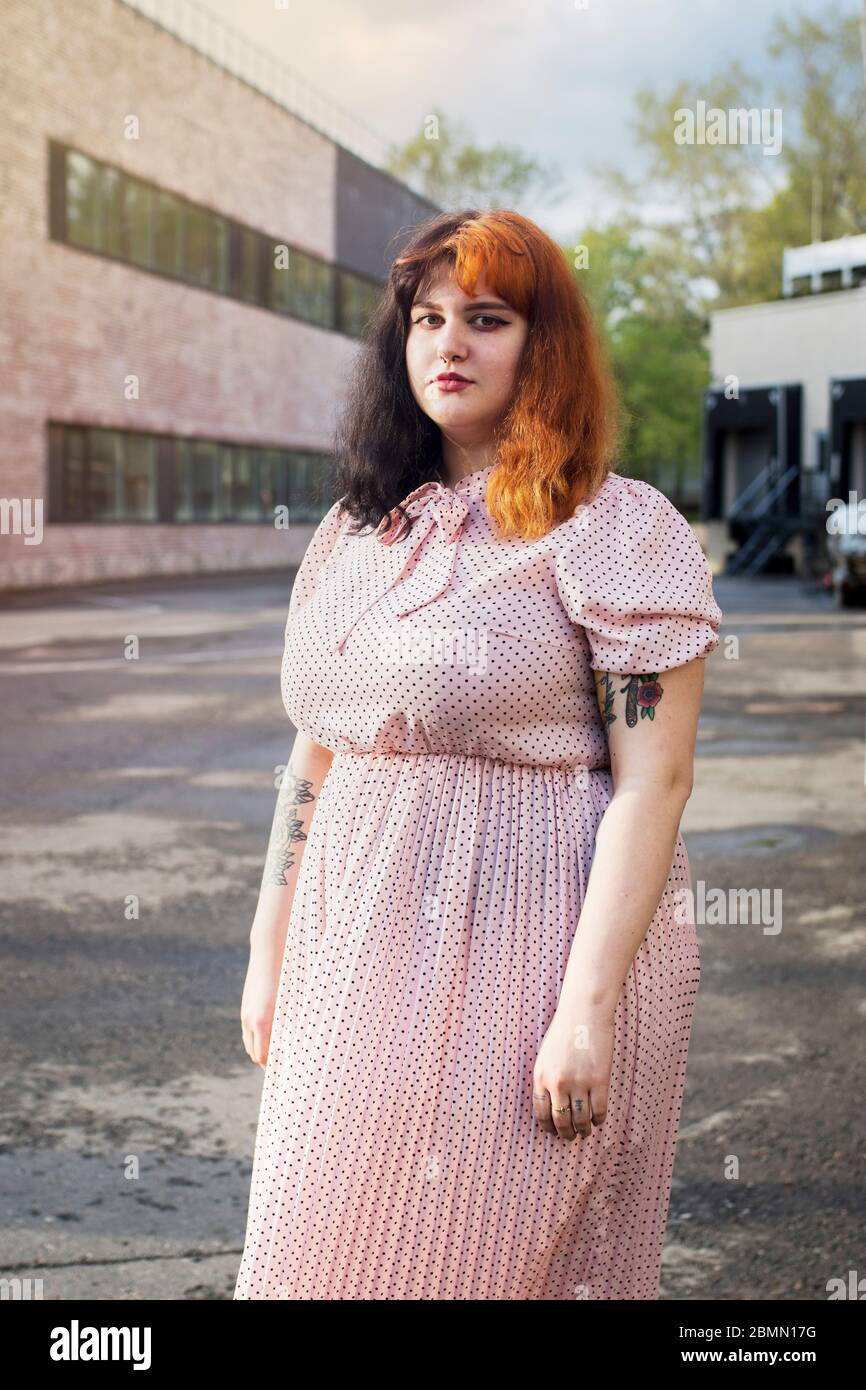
<point x="296" y="804"/>
<point x="652" y="765"/>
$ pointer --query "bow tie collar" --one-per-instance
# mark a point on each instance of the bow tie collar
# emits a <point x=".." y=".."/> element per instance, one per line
<point x="431" y="503"/>
<point x="415" y="562"/>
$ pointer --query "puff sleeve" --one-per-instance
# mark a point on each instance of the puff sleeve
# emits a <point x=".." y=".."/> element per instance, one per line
<point x="630" y="570"/>
<point x="317" y="552"/>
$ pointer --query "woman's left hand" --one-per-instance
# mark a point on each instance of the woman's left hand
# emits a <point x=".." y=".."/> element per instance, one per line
<point x="572" y="1072"/>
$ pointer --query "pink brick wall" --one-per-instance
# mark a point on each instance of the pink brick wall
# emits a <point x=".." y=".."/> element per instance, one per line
<point x="73" y="325"/>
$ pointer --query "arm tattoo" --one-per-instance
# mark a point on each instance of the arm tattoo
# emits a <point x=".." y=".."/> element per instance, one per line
<point x="286" y="829"/>
<point x="604" y="684"/>
<point x="642" y="693"/>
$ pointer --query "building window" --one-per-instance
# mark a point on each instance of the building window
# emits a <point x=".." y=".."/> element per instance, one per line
<point x="138" y="477"/>
<point x="167" y="234"/>
<point x="249" y="256"/>
<point x="303" y="288"/>
<point x="206" y="249"/>
<point x="84" y="202"/>
<point x="112" y="190"/>
<point x="196" y="481"/>
<point x="242" y="472"/>
<point x="358" y="299"/>
<point x="273" y="481"/>
<point x="306" y="485"/>
<point x="126" y="476"/>
<point x="72" y="498"/>
<point x="101" y="208"/>
<point x="109" y="475"/>
<point x="138" y="217"/>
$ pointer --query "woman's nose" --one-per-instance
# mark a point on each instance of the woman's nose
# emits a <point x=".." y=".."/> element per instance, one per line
<point x="451" y="342"/>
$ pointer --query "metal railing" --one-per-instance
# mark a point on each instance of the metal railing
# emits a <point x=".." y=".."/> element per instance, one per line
<point x="769" y="496"/>
<point x="771" y="532"/>
<point x="224" y="45"/>
<point x="754" y="486"/>
<point x="778" y="487"/>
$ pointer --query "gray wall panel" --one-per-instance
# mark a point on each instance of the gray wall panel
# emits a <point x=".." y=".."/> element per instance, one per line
<point x="371" y="208"/>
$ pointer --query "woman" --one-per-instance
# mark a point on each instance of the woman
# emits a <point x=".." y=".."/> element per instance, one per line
<point x="496" y="689"/>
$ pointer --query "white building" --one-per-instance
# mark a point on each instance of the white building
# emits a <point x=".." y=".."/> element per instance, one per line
<point x="785" y="417"/>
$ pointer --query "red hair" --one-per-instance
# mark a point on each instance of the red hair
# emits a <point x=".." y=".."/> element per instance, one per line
<point x="555" y="445"/>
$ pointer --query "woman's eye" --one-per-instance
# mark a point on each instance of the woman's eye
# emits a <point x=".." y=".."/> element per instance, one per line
<point x="491" y="318"/>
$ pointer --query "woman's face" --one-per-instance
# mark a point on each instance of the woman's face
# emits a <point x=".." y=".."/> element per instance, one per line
<point x="481" y="338"/>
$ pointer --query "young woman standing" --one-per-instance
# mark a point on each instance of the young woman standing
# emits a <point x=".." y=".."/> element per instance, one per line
<point x="470" y="984"/>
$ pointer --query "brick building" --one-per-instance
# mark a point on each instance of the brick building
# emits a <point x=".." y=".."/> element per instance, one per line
<point x="185" y="268"/>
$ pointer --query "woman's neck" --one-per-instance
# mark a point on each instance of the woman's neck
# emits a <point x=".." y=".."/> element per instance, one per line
<point x="459" y="461"/>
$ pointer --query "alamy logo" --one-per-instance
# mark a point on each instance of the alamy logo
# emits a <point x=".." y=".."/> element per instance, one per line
<point x="436" y="647"/>
<point x="76" y="1343"/>
<point x="739" y="126"/>
<point x="20" y="1288"/>
<point x="719" y="907"/>
<point x="846" y="519"/>
<point x="855" y="1287"/>
<point x="22" y="516"/>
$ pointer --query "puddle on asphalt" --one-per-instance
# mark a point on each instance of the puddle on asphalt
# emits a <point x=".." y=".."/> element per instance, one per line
<point x="759" y="839"/>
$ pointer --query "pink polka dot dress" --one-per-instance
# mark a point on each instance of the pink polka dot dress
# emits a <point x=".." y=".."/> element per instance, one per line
<point x="397" y="1155"/>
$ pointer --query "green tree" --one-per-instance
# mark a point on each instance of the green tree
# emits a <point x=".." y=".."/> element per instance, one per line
<point x="444" y="165"/>
<point x="737" y="209"/>
<point x="830" y="96"/>
<point x="654" y="326"/>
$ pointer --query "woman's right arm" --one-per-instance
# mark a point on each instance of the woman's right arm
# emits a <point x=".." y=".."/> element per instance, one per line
<point x="296" y="804"/>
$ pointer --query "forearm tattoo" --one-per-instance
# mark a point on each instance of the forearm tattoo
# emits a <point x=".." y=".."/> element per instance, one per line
<point x="642" y="694"/>
<point x="604" y="694"/>
<point x="286" y="830"/>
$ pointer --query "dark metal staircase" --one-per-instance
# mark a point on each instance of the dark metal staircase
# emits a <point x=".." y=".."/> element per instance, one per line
<point x="763" y="511"/>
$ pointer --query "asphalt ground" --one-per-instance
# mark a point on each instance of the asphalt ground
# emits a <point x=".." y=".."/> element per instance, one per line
<point x="128" y="1103"/>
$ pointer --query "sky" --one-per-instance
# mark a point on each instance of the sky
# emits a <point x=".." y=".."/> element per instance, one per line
<point x="556" y="78"/>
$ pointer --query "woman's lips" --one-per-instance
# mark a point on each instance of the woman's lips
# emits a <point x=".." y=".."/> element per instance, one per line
<point x="451" y="384"/>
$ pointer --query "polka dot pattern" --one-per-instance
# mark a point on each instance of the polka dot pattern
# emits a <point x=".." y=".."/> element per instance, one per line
<point x="396" y="1154"/>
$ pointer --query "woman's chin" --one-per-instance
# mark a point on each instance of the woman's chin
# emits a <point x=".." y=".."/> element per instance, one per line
<point x="452" y="412"/>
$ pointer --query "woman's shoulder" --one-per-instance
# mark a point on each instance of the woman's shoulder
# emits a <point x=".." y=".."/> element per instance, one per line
<point x="629" y="526"/>
<point x="621" y="507"/>
<point x="630" y="569"/>
<point x="619" y="493"/>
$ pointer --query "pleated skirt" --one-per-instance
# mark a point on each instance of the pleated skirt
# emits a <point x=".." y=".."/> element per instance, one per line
<point x="397" y="1155"/>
